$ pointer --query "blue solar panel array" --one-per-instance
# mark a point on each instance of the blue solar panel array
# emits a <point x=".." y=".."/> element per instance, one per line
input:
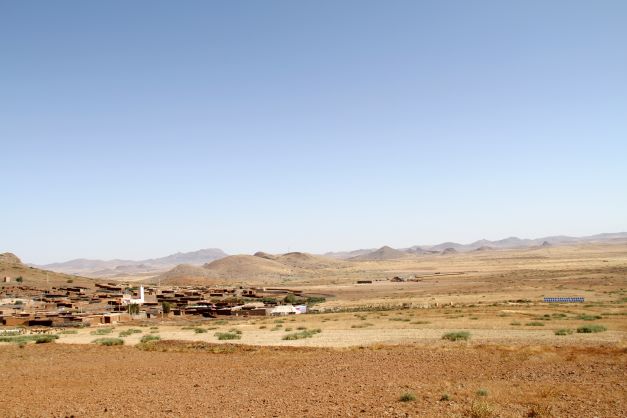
<point x="564" y="300"/>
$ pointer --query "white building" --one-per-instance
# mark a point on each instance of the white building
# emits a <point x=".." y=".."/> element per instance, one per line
<point x="128" y="299"/>
<point x="281" y="310"/>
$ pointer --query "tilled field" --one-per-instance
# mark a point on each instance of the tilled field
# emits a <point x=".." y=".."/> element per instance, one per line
<point x="193" y="380"/>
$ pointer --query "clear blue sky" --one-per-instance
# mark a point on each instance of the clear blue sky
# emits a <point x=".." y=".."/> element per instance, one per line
<point x="138" y="129"/>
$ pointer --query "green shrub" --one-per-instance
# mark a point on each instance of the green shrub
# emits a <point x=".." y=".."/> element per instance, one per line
<point x="365" y="325"/>
<point x="129" y="331"/>
<point x="133" y="309"/>
<point x="302" y="334"/>
<point x="108" y="341"/>
<point x="457" y="336"/>
<point x="535" y="324"/>
<point x="445" y="397"/>
<point x="407" y="397"/>
<point x="148" y="338"/>
<point x="102" y="331"/>
<point x="514" y="323"/>
<point x="43" y="339"/>
<point x="24" y="339"/>
<point x="228" y="336"/>
<point x="166" y="307"/>
<point x="589" y="317"/>
<point x="564" y="331"/>
<point x="312" y="300"/>
<point x="290" y="298"/>
<point x="588" y="329"/>
<point x="482" y="392"/>
<point x="200" y="330"/>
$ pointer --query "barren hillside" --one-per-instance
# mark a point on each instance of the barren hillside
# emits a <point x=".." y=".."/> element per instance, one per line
<point x="11" y="266"/>
<point x="383" y="253"/>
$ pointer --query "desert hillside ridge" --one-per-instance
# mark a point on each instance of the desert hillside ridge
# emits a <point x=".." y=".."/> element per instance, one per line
<point x="258" y="267"/>
<point x="484" y="245"/>
<point x="122" y="267"/>
<point x="15" y="273"/>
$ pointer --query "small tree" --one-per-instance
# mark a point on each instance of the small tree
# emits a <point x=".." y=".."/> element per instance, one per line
<point x="19" y="279"/>
<point x="290" y="299"/>
<point x="166" y="307"/>
<point x="133" y="309"/>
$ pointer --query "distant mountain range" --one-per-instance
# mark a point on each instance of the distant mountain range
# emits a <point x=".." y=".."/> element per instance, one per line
<point x="387" y="253"/>
<point x="112" y="268"/>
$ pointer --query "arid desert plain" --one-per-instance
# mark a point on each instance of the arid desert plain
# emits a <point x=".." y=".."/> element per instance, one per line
<point x="462" y="334"/>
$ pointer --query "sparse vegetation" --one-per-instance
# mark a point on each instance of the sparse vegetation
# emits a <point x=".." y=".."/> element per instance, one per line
<point x="308" y="333"/>
<point x="108" y="341"/>
<point x="407" y="397"/>
<point x="589" y="329"/>
<point x="228" y="335"/>
<point x="129" y="331"/>
<point x="482" y="392"/>
<point x="480" y="409"/>
<point x="535" y="324"/>
<point x="24" y="339"/>
<point x="585" y="317"/>
<point x="457" y="336"/>
<point x="102" y="331"/>
<point x="564" y="331"/>
<point x="148" y="338"/>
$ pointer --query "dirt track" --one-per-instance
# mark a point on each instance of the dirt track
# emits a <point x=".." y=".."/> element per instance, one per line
<point x="64" y="380"/>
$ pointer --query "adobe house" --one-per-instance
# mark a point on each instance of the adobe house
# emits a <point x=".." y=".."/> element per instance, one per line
<point x="6" y="279"/>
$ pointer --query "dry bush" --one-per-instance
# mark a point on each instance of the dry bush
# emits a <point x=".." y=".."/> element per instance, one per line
<point x="481" y="409"/>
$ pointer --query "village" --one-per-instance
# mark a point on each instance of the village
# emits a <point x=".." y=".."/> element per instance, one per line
<point x="112" y="303"/>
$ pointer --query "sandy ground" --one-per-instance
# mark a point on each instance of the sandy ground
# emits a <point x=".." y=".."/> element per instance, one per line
<point x="504" y="324"/>
<point x="362" y="362"/>
<point x="480" y="381"/>
<point x="365" y="337"/>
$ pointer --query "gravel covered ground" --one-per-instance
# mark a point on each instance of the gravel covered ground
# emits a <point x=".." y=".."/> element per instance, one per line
<point x="186" y="379"/>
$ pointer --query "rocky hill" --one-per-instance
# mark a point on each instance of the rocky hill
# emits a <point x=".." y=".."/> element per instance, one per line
<point x="21" y="274"/>
<point x="118" y="267"/>
<point x="383" y="253"/>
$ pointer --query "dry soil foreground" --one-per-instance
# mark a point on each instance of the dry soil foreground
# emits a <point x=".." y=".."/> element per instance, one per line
<point x="66" y="380"/>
